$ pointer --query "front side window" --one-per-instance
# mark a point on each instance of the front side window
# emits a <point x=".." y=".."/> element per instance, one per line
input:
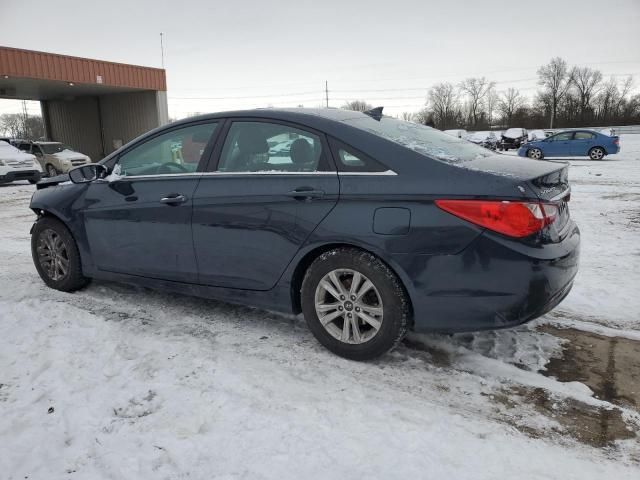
<point x="270" y="147"/>
<point x="177" y="151"/>
<point x="584" y="136"/>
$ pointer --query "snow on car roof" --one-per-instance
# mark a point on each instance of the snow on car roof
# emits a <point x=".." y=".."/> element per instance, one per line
<point x="514" y="132"/>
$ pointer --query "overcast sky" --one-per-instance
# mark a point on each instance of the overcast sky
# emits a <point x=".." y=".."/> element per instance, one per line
<point x="281" y="52"/>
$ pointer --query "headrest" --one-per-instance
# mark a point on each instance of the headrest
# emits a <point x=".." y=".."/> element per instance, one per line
<point x="301" y="151"/>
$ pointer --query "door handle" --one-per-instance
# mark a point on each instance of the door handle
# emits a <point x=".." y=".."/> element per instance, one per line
<point x="173" y="199"/>
<point x="305" y="193"/>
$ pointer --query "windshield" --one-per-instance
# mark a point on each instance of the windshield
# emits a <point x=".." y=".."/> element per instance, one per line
<point x="51" y="148"/>
<point x="419" y="138"/>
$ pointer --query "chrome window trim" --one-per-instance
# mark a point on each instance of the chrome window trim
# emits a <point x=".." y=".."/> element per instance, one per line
<point x="375" y="174"/>
<point x="267" y="172"/>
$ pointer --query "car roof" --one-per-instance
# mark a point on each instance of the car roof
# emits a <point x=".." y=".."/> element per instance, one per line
<point x="285" y="114"/>
<point x="332" y="121"/>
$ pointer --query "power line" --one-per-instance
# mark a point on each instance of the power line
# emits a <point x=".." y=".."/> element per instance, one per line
<point x="244" y="97"/>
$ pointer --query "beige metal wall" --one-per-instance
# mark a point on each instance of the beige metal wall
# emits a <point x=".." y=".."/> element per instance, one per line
<point x="75" y="123"/>
<point x="127" y="115"/>
<point x="96" y="126"/>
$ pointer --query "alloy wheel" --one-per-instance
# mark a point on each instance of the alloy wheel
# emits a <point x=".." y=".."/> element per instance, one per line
<point x="535" y="153"/>
<point x="53" y="255"/>
<point x="597" y="153"/>
<point x="349" y="306"/>
<point x="51" y="170"/>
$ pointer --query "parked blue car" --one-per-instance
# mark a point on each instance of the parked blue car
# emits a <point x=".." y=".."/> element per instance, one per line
<point x="573" y="143"/>
<point x="369" y="226"/>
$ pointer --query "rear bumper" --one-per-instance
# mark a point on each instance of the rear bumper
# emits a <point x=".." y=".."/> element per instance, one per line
<point x="8" y="177"/>
<point x="493" y="283"/>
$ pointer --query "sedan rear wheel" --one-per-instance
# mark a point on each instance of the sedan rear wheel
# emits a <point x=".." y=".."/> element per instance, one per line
<point x="535" y="153"/>
<point x="596" y="153"/>
<point x="354" y="304"/>
<point x="349" y="306"/>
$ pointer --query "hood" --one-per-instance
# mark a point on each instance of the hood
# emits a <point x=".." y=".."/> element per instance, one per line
<point x="52" y="181"/>
<point x="9" y="153"/>
<point x="70" y="155"/>
<point x="534" y="143"/>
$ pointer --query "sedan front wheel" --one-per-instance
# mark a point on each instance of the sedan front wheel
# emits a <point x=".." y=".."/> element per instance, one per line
<point x="354" y="304"/>
<point x="55" y="255"/>
<point x="535" y="153"/>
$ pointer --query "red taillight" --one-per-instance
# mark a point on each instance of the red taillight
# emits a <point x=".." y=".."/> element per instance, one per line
<point x="616" y="141"/>
<point x="515" y="219"/>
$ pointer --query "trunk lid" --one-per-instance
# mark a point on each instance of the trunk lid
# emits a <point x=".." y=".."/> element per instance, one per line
<point x="547" y="180"/>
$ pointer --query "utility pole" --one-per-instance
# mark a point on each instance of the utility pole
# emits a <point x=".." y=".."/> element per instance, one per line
<point x="25" y="118"/>
<point x="161" y="50"/>
<point x="326" y="91"/>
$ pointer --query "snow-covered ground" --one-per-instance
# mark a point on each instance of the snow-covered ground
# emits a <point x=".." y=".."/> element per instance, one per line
<point x="118" y="382"/>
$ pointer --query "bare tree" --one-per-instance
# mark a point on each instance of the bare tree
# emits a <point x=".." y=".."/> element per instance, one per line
<point x="424" y="117"/>
<point x="357" y="105"/>
<point x="492" y="104"/>
<point x="556" y="80"/>
<point x="407" y="116"/>
<point x="12" y="124"/>
<point x="509" y="103"/>
<point x="476" y="90"/>
<point x="625" y="89"/>
<point x="443" y="101"/>
<point x="586" y="83"/>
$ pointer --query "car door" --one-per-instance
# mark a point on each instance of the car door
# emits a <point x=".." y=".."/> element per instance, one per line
<point x="269" y="187"/>
<point x="35" y="150"/>
<point x="582" y="143"/>
<point x="558" y="145"/>
<point x="138" y="220"/>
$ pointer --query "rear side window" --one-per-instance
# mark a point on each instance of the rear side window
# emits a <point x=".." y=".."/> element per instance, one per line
<point x="254" y="147"/>
<point x="561" y="137"/>
<point x="584" y="136"/>
<point x="352" y="160"/>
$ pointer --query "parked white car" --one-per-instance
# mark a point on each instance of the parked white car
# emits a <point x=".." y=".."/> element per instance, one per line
<point x="537" y="135"/>
<point x="17" y="165"/>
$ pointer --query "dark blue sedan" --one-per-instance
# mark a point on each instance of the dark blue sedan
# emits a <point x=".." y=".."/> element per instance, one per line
<point x="368" y="225"/>
<point x="574" y="143"/>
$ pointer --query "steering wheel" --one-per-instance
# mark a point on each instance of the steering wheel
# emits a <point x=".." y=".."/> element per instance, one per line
<point x="171" y="167"/>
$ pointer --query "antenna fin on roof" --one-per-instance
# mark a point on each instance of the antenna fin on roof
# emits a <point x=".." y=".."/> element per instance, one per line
<point x="375" y="113"/>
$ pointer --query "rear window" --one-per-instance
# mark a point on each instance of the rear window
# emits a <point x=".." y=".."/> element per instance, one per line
<point x="419" y="138"/>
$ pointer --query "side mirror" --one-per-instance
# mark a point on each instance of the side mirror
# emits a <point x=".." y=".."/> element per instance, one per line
<point x="87" y="173"/>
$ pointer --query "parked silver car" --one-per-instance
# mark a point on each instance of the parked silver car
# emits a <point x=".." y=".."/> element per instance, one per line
<point x="55" y="157"/>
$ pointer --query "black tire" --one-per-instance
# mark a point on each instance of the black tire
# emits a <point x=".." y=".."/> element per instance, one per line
<point x="73" y="278"/>
<point x="33" y="182"/>
<point x="396" y="309"/>
<point x="52" y="171"/>
<point x="597" y="153"/>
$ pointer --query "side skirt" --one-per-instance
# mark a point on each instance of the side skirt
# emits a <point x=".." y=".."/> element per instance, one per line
<point x="278" y="299"/>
